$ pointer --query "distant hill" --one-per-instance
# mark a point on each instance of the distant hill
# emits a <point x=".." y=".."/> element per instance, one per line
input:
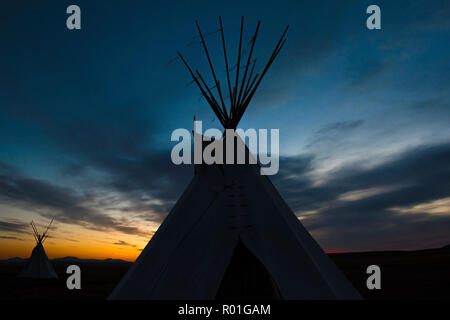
<point x="78" y="260"/>
<point x="69" y="259"/>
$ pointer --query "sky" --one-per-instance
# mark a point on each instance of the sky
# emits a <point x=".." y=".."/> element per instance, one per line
<point x="86" y="117"/>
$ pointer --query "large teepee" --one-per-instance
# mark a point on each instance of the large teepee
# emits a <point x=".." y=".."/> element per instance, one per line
<point x="231" y="235"/>
<point x="38" y="265"/>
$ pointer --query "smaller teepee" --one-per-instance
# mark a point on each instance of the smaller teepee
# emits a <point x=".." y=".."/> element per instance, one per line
<point x="38" y="265"/>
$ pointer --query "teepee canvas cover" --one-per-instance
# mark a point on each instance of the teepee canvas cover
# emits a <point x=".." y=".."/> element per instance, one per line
<point x="38" y="265"/>
<point x="231" y="235"/>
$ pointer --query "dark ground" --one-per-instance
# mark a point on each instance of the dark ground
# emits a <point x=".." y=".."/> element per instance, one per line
<point x="421" y="274"/>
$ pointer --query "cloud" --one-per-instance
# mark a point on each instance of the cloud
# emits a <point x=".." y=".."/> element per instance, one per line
<point x="360" y="75"/>
<point x="353" y="209"/>
<point x="440" y="206"/>
<point x="438" y="103"/>
<point x="123" y="157"/>
<point x="11" y="238"/>
<point x="340" y="126"/>
<point x="123" y="243"/>
<point x="50" y="200"/>
<point x="412" y="179"/>
<point x="108" y="153"/>
<point x="117" y="165"/>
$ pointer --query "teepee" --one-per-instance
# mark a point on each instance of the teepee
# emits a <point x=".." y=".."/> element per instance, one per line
<point x="231" y="235"/>
<point x="38" y="265"/>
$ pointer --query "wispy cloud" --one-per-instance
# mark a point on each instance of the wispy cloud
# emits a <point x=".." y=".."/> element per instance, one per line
<point x="13" y="226"/>
<point x="339" y="127"/>
<point x="123" y="243"/>
<point x="10" y="238"/>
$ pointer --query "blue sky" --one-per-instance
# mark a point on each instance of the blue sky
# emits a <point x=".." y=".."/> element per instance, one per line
<point x="86" y="116"/>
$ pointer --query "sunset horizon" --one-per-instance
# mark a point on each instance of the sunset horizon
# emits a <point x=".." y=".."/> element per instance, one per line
<point x="66" y="247"/>
<point x="121" y="129"/>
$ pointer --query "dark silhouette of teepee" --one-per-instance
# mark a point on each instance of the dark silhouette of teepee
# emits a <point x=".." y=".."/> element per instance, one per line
<point x="38" y="265"/>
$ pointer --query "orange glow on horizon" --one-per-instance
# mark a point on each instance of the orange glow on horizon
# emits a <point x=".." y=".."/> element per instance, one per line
<point x="75" y="241"/>
<point x="82" y="250"/>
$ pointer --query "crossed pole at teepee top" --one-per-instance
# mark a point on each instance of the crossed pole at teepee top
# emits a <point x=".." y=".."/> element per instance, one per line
<point x="240" y="94"/>
<point x="38" y="237"/>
